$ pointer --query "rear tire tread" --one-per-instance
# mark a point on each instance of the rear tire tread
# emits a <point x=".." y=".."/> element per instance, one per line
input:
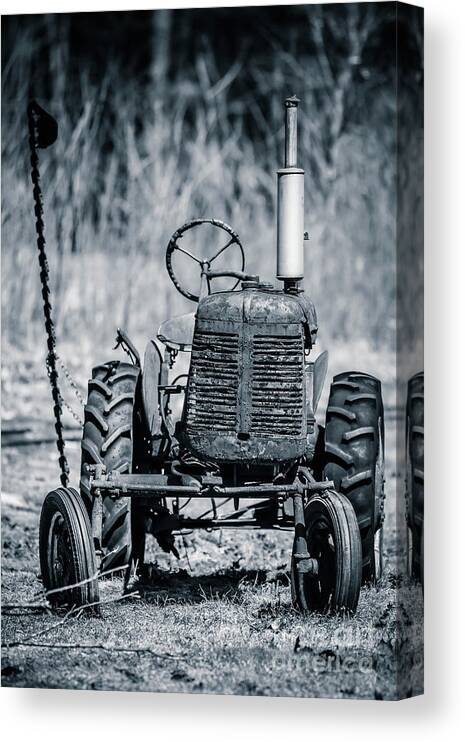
<point x="107" y="440"/>
<point x="352" y="446"/>
<point x="90" y="411"/>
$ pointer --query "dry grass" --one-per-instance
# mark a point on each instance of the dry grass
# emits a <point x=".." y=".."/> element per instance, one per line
<point x="115" y="191"/>
<point x="221" y="622"/>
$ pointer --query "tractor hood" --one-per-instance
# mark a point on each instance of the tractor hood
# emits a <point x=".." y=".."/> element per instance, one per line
<point x="258" y="304"/>
<point x="245" y="399"/>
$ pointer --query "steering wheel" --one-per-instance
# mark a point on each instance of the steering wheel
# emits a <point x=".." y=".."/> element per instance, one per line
<point x="204" y="263"/>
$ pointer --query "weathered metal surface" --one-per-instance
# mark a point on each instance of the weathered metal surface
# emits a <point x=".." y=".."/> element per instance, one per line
<point x="277" y="390"/>
<point x="176" y="333"/>
<point x="158" y="485"/>
<point x="304" y="563"/>
<point x="213" y="382"/>
<point x="245" y="398"/>
<point x="207" y="486"/>
<point x="290" y="145"/>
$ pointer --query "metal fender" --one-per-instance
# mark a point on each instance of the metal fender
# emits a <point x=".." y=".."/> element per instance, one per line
<point x="320" y="368"/>
<point x="150" y="379"/>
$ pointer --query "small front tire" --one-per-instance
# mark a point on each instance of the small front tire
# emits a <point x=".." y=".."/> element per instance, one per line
<point x="333" y="540"/>
<point x="67" y="557"/>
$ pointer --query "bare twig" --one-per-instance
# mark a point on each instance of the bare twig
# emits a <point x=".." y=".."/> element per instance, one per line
<point x="74" y="610"/>
<point x="46" y="593"/>
<point x="54" y="626"/>
<point x="95" y="576"/>
<point x="25" y="606"/>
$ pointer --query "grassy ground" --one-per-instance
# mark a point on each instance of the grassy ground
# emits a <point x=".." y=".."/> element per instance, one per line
<point x="219" y="620"/>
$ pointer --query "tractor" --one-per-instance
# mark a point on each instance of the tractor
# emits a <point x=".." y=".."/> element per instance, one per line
<point x="415" y="469"/>
<point x="239" y="426"/>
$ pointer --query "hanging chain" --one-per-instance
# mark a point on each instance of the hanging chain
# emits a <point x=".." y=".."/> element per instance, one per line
<point x="75" y="389"/>
<point x="70" y="379"/>
<point x="72" y="412"/>
<point x="50" y="362"/>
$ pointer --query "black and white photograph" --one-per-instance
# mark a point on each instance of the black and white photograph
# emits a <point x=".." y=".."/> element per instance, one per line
<point x="212" y="351"/>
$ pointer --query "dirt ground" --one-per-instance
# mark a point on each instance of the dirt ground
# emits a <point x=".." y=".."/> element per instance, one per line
<point x="218" y="620"/>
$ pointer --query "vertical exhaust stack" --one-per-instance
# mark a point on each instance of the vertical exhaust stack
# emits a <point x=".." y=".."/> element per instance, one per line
<point x="290" y="232"/>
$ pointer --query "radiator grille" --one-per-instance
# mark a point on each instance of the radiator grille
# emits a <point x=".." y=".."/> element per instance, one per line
<point x="277" y="386"/>
<point x="214" y="381"/>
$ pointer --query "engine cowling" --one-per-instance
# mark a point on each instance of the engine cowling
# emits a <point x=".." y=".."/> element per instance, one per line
<point x="245" y="398"/>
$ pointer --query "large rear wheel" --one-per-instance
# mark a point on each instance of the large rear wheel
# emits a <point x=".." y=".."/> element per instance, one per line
<point x="108" y="440"/>
<point x="354" y="452"/>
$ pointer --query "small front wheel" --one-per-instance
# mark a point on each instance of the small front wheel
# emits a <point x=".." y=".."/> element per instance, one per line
<point x="67" y="557"/>
<point x="333" y="540"/>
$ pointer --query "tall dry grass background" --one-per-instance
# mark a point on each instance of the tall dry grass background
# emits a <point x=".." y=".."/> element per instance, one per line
<point x="137" y="156"/>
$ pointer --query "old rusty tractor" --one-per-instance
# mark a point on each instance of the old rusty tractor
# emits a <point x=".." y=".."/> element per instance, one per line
<point x="415" y="469"/>
<point x="238" y="427"/>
